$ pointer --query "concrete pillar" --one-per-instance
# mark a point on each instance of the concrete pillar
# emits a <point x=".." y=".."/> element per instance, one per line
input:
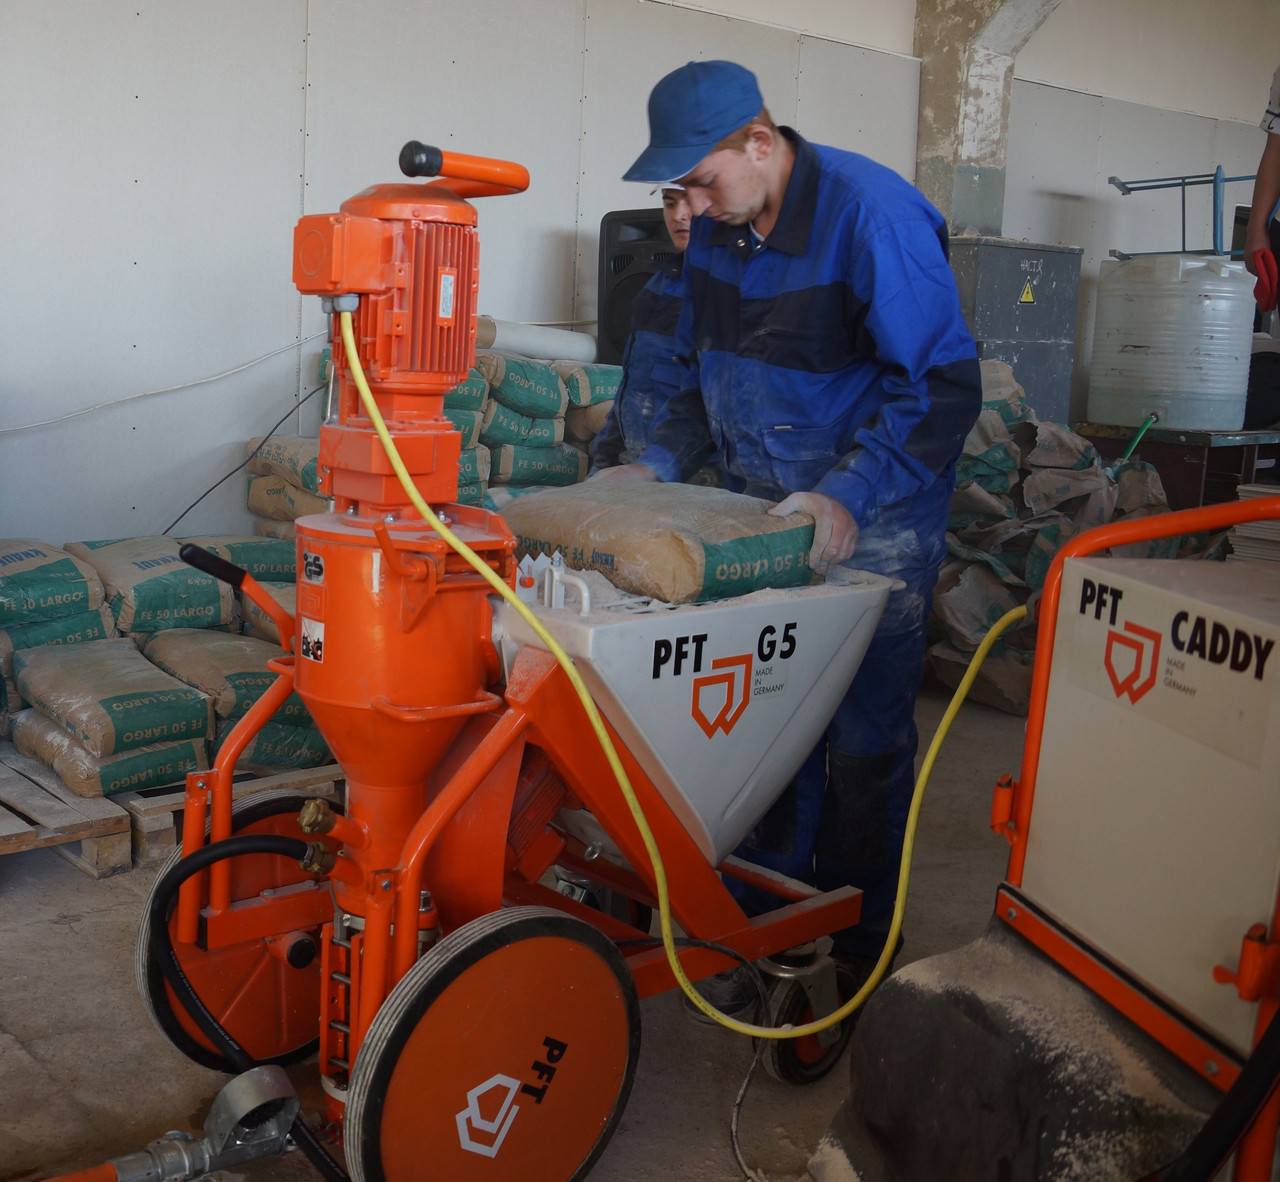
<point x="967" y="48"/>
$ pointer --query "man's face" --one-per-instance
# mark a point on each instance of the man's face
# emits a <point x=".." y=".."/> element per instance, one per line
<point x="675" y="212"/>
<point x="727" y="186"/>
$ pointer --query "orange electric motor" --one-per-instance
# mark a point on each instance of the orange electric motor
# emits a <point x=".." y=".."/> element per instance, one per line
<point x="393" y="647"/>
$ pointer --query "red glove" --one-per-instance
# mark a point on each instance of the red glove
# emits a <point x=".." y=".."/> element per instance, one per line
<point x="1265" y="290"/>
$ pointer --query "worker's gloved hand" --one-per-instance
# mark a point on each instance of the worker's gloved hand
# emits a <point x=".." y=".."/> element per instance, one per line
<point x="1265" y="290"/>
<point x="835" y="533"/>
<point x="621" y="472"/>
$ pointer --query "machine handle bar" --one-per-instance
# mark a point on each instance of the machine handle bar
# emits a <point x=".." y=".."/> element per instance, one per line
<point x="211" y="564"/>
<point x="487" y="177"/>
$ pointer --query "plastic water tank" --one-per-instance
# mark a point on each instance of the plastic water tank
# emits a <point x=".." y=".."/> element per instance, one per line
<point x="1172" y="336"/>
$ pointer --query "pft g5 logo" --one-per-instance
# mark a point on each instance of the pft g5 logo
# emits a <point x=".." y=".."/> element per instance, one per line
<point x="719" y="698"/>
<point x="1132" y="658"/>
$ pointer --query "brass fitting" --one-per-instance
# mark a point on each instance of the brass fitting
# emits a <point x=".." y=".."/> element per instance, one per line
<point x="316" y="816"/>
<point x="319" y="859"/>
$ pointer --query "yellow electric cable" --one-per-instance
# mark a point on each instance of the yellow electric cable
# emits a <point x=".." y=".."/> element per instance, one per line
<point x="611" y="754"/>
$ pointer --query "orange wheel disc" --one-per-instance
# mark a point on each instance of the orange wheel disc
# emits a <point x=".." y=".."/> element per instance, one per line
<point x="268" y="1001"/>
<point x="805" y="1060"/>
<point x="507" y="1051"/>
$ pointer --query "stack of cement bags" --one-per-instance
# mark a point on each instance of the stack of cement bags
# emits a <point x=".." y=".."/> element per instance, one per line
<point x="1023" y="489"/>
<point x="465" y="406"/>
<point x="524" y="423"/>
<point x="47" y="596"/>
<point x="110" y="713"/>
<point x="592" y="390"/>
<point x="283" y="483"/>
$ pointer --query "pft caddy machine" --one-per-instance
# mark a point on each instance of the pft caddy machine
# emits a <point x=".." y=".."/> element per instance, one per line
<point x="471" y="1022"/>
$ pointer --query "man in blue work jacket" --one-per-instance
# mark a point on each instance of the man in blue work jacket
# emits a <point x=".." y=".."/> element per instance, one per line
<point x="830" y="369"/>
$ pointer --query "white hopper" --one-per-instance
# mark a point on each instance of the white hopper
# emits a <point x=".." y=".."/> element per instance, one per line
<point x="720" y="702"/>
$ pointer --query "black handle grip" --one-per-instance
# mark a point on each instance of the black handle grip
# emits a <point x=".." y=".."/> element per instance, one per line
<point x="421" y="160"/>
<point x="211" y="564"/>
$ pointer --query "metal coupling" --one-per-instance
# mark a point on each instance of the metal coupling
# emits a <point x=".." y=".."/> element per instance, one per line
<point x="319" y="858"/>
<point x="316" y="816"/>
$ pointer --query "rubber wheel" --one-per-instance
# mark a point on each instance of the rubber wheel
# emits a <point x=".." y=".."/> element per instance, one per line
<point x="805" y="1060"/>
<point x="271" y="1008"/>
<point x="507" y="1051"/>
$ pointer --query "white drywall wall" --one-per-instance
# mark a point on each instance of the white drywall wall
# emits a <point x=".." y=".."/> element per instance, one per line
<point x="156" y="156"/>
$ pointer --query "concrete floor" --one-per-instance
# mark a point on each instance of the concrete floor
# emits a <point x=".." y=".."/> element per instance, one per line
<point x="84" y="1076"/>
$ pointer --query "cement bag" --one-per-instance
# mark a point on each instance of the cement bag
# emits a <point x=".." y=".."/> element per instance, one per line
<point x="502" y="425"/>
<point x="467" y="423"/>
<point x="531" y="387"/>
<point x="501" y="495"/>
<point x="589" y="385"/>
<point x="294" y="457"/>
<point x="150" y="588"/>
<point x="269" y="559"/>
<point x="232" y="670"/>
<point x="516" y="464"/>
<point x="257" y="622"/>
<point x="88" y="775"/>
<point x="95" y="625"/>
<point x="10" y="700"/>
<point x="472" y="494"/>
<point x="679" y="543"/>
<point x="278" y="745"/>
<point x="43" y="582"/>
<point x="109" y="697"/>
<point x="583" y="423"/>
<point x="275" y="497"/>
<point x="474" y="465"/>
<point x="266" y="527"/>
<point x="469" y="394"/>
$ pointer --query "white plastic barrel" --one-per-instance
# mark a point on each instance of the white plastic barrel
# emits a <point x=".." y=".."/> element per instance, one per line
<point x="1172" y="336"/>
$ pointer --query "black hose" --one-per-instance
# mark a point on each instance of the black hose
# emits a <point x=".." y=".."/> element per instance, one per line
<point x="171" y="967"/>
<point x="1228" y="1123"/>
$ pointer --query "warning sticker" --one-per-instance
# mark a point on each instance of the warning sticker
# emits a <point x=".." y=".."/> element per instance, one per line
<point x="1028" y="296"/>
<point x="312" y="646"/>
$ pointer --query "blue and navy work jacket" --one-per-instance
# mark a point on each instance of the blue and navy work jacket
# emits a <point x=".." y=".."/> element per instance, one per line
<point x="650" y="371"/>
<point x="831" y="356"/>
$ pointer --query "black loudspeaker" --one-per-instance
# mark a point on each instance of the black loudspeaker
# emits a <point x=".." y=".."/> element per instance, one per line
<point x="633" y="245"/>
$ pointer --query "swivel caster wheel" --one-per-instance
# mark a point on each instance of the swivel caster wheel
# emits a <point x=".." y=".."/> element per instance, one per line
<point x="507" y="1051"/>
<point x="264" y="991"/>
<point x="807" y="1060"/>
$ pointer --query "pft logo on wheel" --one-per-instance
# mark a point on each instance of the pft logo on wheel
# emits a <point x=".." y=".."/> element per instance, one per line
<point x="484" y="1123"/>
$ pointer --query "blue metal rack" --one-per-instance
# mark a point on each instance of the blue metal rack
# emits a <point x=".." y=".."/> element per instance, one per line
<point x="1215" y="178"/>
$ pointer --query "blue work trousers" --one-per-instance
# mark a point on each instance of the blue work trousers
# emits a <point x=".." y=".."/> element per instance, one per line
<point x="841" y="820"/>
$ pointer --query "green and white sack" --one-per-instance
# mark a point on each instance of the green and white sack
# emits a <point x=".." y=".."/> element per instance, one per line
<point x="150" y="588"/>
<point x="516" y="464"/>
<point x="531" y="387"/>
<point x="277" y="498"/>
<point x="40" y="581"/>
<point x="589" y="384"/>
<point x="468" y="424"/>
<point x="94" y="625"/>
<point x="503" y="425"/>
<point x="469" y="394"/>
<point x="680" y="543"/>
<point x="278" y="745"/>
<point x="295" y="457"/>
<point x="86" y="774"/>
<point x="270" y="559"/>
<point x="266" y="527"/>
<point x="109" y="697"/>
<point x="583" y="423"/>
<point x="474" y="465"/>
<point x="472" y="494"/>
<point x="232" y="670"/>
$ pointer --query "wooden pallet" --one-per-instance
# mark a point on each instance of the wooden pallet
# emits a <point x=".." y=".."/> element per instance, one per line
<point x="37" y="810"/>
<point x="155" y="814"/>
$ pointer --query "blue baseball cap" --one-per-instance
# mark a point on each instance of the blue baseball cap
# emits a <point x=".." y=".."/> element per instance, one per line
<point x="690" y="111"/>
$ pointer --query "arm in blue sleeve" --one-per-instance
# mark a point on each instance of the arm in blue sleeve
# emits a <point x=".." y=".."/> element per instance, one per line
<point x="932" y="383"/>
